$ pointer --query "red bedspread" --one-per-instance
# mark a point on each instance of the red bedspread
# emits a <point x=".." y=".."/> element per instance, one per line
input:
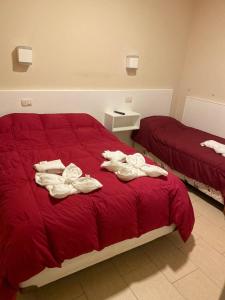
<point x="179" y="146"/>
<point x="37" y="231"/>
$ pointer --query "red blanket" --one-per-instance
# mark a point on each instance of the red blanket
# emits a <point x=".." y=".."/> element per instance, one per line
<point x="37" y="231"/>
<point x="179" y="146"/>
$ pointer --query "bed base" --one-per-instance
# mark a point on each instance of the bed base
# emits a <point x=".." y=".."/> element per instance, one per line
<point x="208" y="190"/>
<point x="83" y="261"/>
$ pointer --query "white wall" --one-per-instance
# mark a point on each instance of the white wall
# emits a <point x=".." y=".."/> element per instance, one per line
<point x="204" y="71"/>
<point x="95" y="102"/>
<point x="82" y="44"/>
<point x="204" y="114"/>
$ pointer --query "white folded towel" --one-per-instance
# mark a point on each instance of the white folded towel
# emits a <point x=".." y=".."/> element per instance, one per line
<point x="217" y="147"/>
<point x="134" y="167"/>
<point x="114" y="155"/>
<point x="71" y="173"/>
<point x="44" y="179"/>
<point x="127" y="173"/>
<point x="60" y="191"/>
<point x="136" y="160"/>
<point x="112" y="165"/>
<point x="153" y="171"/>
<point x="53" y="166"/>
<point x="86" y="184"/>
<point x="68" y="184"/>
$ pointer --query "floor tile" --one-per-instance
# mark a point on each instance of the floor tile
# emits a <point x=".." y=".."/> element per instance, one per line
<point x="197" y="286"/>
<point x="50" y="296"/>
<point x="176" y="239"/>
<point x="172" y="262"/>
<point x="212" y="213"/>
<point x="83" y="297"/>
<point x="103" y="282"/>
<point x="223" y="227"/>
<point x="194" y="202"/>
<point x="222" y="294"/>
<point x="210" y="261"/>
<point x="131" y="260"/>
<point x="67" y="288"/>
<point x="211" y="233"/>
<point x="26" y="296"/>
<point x="148" y="283"/>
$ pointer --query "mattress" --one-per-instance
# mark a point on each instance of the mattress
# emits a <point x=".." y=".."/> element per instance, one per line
<point x="37" y="231"/>
<point x="179" y="147"/>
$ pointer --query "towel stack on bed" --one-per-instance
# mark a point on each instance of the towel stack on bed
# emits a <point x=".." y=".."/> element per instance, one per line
<point x="129" y="167"/>
<point x="69" y="183"/>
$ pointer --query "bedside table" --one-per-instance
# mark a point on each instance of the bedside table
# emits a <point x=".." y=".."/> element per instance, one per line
<point x="117" y="123"/>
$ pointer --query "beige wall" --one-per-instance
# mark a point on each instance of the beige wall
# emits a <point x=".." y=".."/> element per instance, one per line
<point x="83" y="43"/>
<point x="204" y="71"/>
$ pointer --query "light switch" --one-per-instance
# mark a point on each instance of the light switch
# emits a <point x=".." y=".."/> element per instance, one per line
<point x="26" y="102"/>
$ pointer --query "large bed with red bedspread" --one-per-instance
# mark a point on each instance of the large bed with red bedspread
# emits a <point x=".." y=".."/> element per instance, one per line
<point x="179" y="147"/>
<point x="37" y="231"/>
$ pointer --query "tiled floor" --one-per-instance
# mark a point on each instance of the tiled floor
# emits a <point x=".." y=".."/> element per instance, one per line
<point x="165" y="269"/>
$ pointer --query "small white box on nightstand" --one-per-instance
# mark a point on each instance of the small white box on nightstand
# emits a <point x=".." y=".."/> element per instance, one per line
<point x="24" y="55"/>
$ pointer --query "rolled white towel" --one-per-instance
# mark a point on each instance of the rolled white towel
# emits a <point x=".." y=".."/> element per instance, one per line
<point x="153" y="171"/>
<point x="60" y="191"/>
<point x="44" y="179"/>
<point x="86" y="184"/>
<point x="71" y="173"/>
<point x="136" y="160"/>
<point x="216" y="146"/>
<point x="128" y="172"/>
<point x="114" y="155"/>
<point x="112" y="165"/>
<point x="52" y="167"/>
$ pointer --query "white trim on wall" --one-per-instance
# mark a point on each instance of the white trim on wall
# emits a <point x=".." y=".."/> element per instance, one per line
<point x="95" y="102"/>
<point x="205" y="114"/>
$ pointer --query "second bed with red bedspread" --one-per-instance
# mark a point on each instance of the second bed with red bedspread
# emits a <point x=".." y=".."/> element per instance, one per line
<point x="179" y="147"/>
<point x="37" y="231"/>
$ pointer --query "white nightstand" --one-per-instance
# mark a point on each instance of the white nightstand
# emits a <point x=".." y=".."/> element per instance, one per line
<point x="116" y="122"/>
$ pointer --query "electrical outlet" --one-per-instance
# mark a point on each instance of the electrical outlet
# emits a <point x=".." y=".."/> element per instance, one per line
<point x="26" y="102"/>
<point x="129" y="99"/>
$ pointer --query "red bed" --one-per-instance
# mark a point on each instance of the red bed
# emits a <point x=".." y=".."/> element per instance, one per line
<point x="179" y="147"/>
<point x="37" y="231"/>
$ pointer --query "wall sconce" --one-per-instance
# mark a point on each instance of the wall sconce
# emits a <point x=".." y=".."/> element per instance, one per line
<point x="24" y="55"/>
<point x="132" y="62"/>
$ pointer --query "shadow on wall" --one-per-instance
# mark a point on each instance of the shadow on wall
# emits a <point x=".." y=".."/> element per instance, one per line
<point x="131" y="72"/>
<point x="16" y="67"/>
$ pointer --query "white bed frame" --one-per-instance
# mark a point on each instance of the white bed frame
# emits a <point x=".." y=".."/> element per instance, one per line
<point x="83" y="261"/>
